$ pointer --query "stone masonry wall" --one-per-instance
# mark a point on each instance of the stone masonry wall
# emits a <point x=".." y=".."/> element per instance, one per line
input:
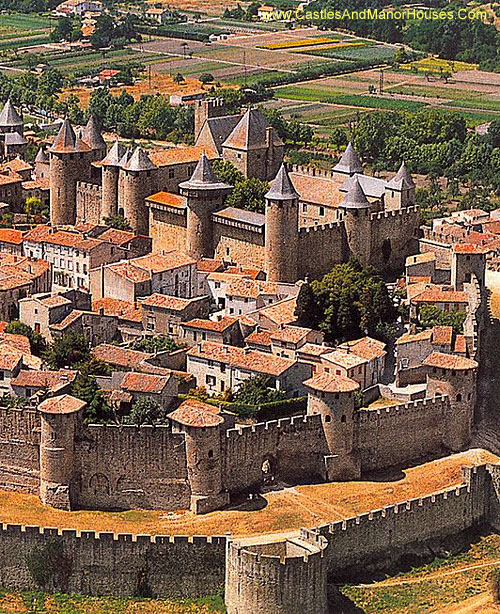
<point x="19" y="450"/>
<point x="128" y="467"/>
<point x="320" y="248"/>
<point x="88" y="202"/>
<point x="398" y="434"/>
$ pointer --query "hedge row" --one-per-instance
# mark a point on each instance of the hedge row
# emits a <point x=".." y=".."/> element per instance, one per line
<point x="264" y="411"/>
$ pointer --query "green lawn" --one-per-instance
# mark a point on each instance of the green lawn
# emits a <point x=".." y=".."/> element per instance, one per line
<point x="374" y="53"/>
<point x="21" y="21"/>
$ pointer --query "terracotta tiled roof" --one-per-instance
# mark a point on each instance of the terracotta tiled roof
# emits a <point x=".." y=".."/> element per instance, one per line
<point x="119" y="356"/>
<point x="313" y="349"/>
<point x="8" y="235"/>
<point x="168" y="198"/>
<point x="247" y="360"/>
<point x="420" y="258"/>
<point x="70" y="319"/>
<point x="469" y="248"/>
<point x="112" y="306"/>
<point x="218" y="326"/>
<point x="18" y="342"/>
<point x="209" y="265"/>
<point x="165" y="301"/>
<point x="259" y="337"/>
<point x="180" y="155"/>
<point x="143" y="382"/>
<point x="290" y="334"/>
<point x="10" y="177"/>
<point x="75" y="240"/>
<point x="438" y="295"/>
<point x="55" y="300"/>
<point x="115" y="236"/>
<point x="460" y="345"/>
<point x="9" y="358"/>
<point x="17" y="165"/>
<point x="192" y="412"/>
<point x="282" y="312"/>
<point x="325" y="382"/>
<point x="442" y="335"/>
<point x="318" y="190"/>
<point x="64" y="404"/>
<point x="131" y="272"/>
<point x="51" y="380"/>
<point x="449" y="361"/>
<point x="243" y="271"/>
<point x="366" y="347"/>
<point x="157" y="263"/>
<point x="410" y="338"/>
<point x="344" y="359"/>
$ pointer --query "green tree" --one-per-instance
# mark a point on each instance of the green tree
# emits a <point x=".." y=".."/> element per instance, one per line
<point x="117" y="221"/>
<point x="69" y="350"/>
<point x="206" y="78"/>
<point x="145" y="411"/>
<point x="257" y="390"/>
<point x="159" y="343"/>
<point x="37" y="343"/>
<point x="63" y="30"/>
<point x="430" y="315"/>
<point x="306" y="308"/>
<point x="36" y="211"/>
<point x="97" y="411"/>
<point x="227" y="172"/>
<point x="249" y="194"/>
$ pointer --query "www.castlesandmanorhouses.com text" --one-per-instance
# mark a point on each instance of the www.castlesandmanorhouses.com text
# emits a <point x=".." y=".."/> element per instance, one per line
<point x="374" y="14"/>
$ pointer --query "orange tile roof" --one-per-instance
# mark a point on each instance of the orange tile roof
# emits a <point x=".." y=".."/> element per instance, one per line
<point x="290" y="334"/>
<point x="259" y="337"/>
<point x="314" y="349"/>
<point x="157" y="263"/>
<point x="51" y="380"/>
<point x="144" y="382"/>
<point x="236" y="270"/>
<point x="449" y="361"/>
<point x="41" y="184"/>
<point x="131" y="272"/>
<point x="438" y="295"/>
<point x="115" y="236"/>
<point x="460" y="344"/>
<point x="165" y="301"/>
<point x="318" y="190"/>
<point x="180" y="155"/>
<point x="70" y="319"/>
<point x="168" y="198"/>
<point x="55" y="300"/>
<point x="10" y="357"/>
<point x="75" y="240"/>
<point x="282" y="312"/>
<point x="192" y="412"/>
<point x="420" y="258"/>
<point x="245" y="359"/>
<point x="10" y="177"/>
<point x="209" y="265"/>
<point x="366" y="347"/>
<point x="8" y="235"/>
<point x="218" y="326"/>
<point x="442" y="335"/>
<point x="344" y="359"/>
<point x="411" y="337"/>
<point x="325" y="382"/>
<point x="112" y="306"/>
<point x="122" y="357"/>
<point x="469" y="248"/>
<point x="64" y="404"/>
<point x="18" y="342"/>
<point x="15" y="165"/>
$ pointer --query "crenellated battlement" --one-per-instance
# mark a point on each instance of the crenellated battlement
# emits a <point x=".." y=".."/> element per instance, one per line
<point x="89" y="187"/>
<point x="379" y="215"/>
<point x="299" y="423"/>
<point x="394" y="411"/>
<point x="338" y="225"/>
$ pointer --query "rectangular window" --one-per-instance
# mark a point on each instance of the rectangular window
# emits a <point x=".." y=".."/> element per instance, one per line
<point x="210" y="380"/>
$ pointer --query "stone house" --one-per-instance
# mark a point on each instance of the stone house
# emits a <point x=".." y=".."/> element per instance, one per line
<point x="226" y="331"/>
<point x="11" y="361"/>
<point x="287" y="340"/>
<point x="160" y="388"/>
<point x="372" y="350"/>
<point x="219" y="367"/>
<point x="41" y="311"/>
<point x="163" y="315"/>
<point x="28" y="383"/>
<point x="204" y="267"/>
<point x="346" y="364"/>
<point x="96" y="327"/>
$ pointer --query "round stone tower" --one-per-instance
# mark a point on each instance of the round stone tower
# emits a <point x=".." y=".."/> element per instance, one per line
<point x="60" y="419"/>
<point x="138" y="182"/>
<point x="333" y="398"/>
<point x="110" y="169"/>
<point x="205" y="194"/>
<point x="10" y="120"/>
<point x="455" y="377"/>
<point x="202" y="426"/>
<point x="282" y="229"/>
<point x="121" y="178"/>
<point x="357" y="221"/>
<point x="92" y="137"/>
<point x="68" y="165"/>
<point x="277" y="577"/>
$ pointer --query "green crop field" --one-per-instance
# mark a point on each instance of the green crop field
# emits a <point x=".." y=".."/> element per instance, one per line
<point x="375" y="53"/>
<point x="20" y="21"/>
<point x="481" y="103"/>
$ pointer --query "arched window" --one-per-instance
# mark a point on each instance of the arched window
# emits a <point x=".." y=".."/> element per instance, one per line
<point x="210" y="454"/>
<point x="343" y="418"/>
<point x="459" y="397"/>
<point x="328" y="418"/>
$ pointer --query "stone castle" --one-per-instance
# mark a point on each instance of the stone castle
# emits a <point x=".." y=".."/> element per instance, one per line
<point x="312" y="220"/>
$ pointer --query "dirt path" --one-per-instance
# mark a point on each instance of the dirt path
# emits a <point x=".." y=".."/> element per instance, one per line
<point x="437" y="575"/>
<point x="480" y="604"/>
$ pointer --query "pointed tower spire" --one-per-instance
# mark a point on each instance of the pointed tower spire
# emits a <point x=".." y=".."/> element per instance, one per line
<point x="92" y="135"/>
<point x="9" y="117"/>
<point x="349" y="162"/>
<point x="114" y="155"/>
<point x="355" y="197"/>
<point x="42" y="157"/>
<point x="281" y="187"/>
<point x="65" y="141"/>
<point x="139" y="161"/>
<point x="203" y="178"/>
<point x="402" y="180"/>
<point x="126" y="157"/>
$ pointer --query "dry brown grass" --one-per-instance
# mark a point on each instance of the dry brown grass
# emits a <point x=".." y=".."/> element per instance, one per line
<point x="286" y="510"/>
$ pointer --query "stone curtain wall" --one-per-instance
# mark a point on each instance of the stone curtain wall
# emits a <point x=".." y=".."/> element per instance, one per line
<point x="129" y="467"/>
<point x="421" y="425"/>
<point x="320" y="248"/>
<point x="19" y="450"/>
<point x="104" y="564"/>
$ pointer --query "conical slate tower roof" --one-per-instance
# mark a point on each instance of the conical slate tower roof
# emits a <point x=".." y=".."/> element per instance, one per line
<point x="402" y="180"/>
<point x="281" y="187"/>
<point x="92" y="135"/>
<point x="355" y="198"/>
<point x="42" y="156"/>
<point x="125" y="158"/>
<point x="203" y="178"/>
<point x="66" y="140"/>
<point x="250" y="132"/>
<point x="9" y="116"/>
<point x="139" y="161"/>
<point x="349" y="163"/>
<point x="114" y="155"/>
<point x="14" y="138"/>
